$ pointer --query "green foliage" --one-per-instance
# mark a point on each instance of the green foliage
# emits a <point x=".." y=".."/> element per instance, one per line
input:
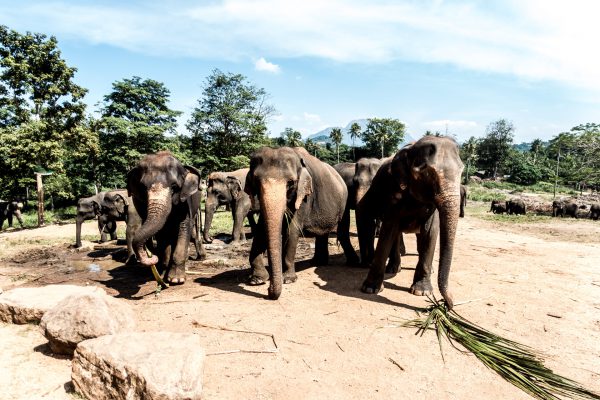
<point x="336" y="138"/>
<point x="230" y="120"/>
<point x="383" y="136"/>
<point x="134" y="122"/>
<point x="493" y="150"/>
<point x="291" y="137"/>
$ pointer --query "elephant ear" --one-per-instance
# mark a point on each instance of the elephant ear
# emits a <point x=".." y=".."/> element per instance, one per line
<point x="248" y="184"/>
<point x="305" y="186"/>
<point x="121" y="203"/>
<point x="133" y="180"/>
<point x="191" y="183"/>
<point x="97" y="207"/>
<point x="235" y="186"/>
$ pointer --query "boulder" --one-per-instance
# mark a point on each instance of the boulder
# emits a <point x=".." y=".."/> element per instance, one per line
<point x="79" y="317"/>
<point x="28" y="305"/>
<point x="143" y="365"/>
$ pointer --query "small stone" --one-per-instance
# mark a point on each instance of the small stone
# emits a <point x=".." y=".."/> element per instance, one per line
<point x="85" y="316"/>
<point x="143" y="365"/>
<point x="28" y="305"/>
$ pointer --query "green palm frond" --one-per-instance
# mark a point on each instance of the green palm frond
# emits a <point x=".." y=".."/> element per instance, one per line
<point x="518" y="364"/>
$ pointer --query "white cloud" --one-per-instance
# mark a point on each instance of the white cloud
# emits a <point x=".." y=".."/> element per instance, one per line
<point x="533" y="39"/>
<point x="312" y="119"/>
<point x="263" y="65"/>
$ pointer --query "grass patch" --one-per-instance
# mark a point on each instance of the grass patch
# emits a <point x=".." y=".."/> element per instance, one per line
<point x="222" y="222"/>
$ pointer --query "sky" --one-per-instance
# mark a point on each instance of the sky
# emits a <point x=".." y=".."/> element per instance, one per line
<point x="452" y="66"/>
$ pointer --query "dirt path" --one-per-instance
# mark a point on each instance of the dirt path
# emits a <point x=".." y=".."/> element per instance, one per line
<point x="529" y="284"/>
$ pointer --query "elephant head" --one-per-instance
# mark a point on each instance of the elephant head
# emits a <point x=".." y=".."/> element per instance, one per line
<point x="222" y="188"/>
<point x="280" y="180"/>
<point x="87" y="208"/>
<point x="365" y="170"/>
<point x="115" y="204"/>
<point x="156" y="184"/>
<point x="430" y="171"/>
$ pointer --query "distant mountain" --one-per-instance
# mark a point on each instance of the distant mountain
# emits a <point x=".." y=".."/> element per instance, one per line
<point x="525" y="147"/>
<point x="323" y="135"/>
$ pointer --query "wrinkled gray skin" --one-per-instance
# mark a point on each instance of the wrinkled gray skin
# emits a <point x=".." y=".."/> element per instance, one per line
<point x="167" y="197"/>
<point x="227" y="188"/>
<point x="7" y="210"/>
<point x="118" y="206"/>
<point x="595" y="211"/>
<point x="421" y="186"/>
<point x="516" y="206"/>
<point x="90" y="208"/>
<point x="498" y="207"/>
<point x="463" y="200"/>
<point x="298" y="194"/>
<point x="358" y="177"/>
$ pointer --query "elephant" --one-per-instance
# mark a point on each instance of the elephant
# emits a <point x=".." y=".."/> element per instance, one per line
<point x="358" y="177"/>
<point x="90" y="208"/>
<point x="421" y="191"/>
<point x="227" y="188"/>
<point x="8" y="209"/>
<point x="595" y="211"/>
<point x="498" y="207"/>
<point x="118" y="206"/>
<point x="515" y="206"/>
<point x="297" y="194"/>
<point x="463" y="200"/>
<point x="167" y="197"/>
<point x="569" y="209"/>
<point x="558" y="208"/>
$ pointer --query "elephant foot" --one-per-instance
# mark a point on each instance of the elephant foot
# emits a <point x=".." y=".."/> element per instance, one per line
<point x="289" y="277"/>
<point x="352" y="260"/>
<point x="237" y="243"/>
<point x="392" y="267"/>
<point x="319" y="260"/>
<point x="208" y="240"/>
<point x="198" y="257"/>
<point x="373" y="284"/>
<point x="176" y="276"/>
<point x="131" y="260"/>
<point x="422" y="287"/>
<point x="254" y="280"/>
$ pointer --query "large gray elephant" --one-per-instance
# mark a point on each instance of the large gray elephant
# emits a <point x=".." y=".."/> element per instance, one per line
<point x="298" y="194"/>
<point x="595" y="211"/>
<point x="90" y="208"/>
<point x="8" y="209"/>
<point x="227" y="188"/>
<point x="167" y="197"/>
<point x="515" y="206"/>
<point x="421" y="192"/>
<point x="564" y="208"/>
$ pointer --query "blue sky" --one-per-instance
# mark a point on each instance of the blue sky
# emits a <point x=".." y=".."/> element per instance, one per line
<point x="434" y="64"/>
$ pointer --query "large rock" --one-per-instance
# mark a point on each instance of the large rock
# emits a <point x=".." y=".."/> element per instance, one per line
<point x="79" y="317"/>
<point x="135" y="366"/>
<point x="27" y="305"/>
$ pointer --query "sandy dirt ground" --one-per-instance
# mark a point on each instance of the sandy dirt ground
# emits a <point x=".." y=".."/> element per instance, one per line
<point x="536" y="283"/>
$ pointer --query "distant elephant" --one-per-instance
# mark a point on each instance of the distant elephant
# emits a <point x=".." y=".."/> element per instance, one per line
<point x="117" y="206"/>
<point x="421" y="188"/>
<point x="227" y="188"/>
<point x="595" y="211"/>
<point x="167" y="197"/>
<point x="558" y="208"/>
<point x="298" y="194"/>
<point x="515" y="206"/>
<point x="90" y="208"/>
<point x="498" y="207"/>
<point x="570" y="209"/>
<point x="463" y="200"/>
<point x="8" y="209"/>
<point x="358" y="178"/>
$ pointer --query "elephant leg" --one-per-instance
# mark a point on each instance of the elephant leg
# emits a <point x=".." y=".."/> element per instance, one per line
<point x="10" y="219"/>
<point x="426" y="241"/>
<point x="111" y="227"/>
<point x="393" y="265"/>
<point x="388" y="235"/>
<point x="290" y="244"/>
<point x="321" y="256"/>
<point x="259" y="274"/>
<point x="239" y="213"/>
<point x="343" y="236"/>
<point x="19" y="217"/>
<point x="366" y="237"/>
<point x="102" y="229"/>
<point x="179" y="251"/>
<point x="129" y="234"/>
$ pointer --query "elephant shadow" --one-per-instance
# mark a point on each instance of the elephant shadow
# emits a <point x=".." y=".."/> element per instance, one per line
<point x="127" y="280"/>
<point x="346" y="281"/>
<point x="230" y="281"/>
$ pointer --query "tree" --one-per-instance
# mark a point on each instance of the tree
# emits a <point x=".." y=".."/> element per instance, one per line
<point x="536" y="146"/>
<point x="494" y="148"/>
<point x="354" y="134"/>
<point x="312" y="147"/>
<point x="135" y="119"/>
<point x="336" y="137"/>
<point x="41" y="112"/>
<point x="230" y="120"/>
<point x="468" y="153"/>
<point x="384" y="134"/>
<point x="291" y="137"/>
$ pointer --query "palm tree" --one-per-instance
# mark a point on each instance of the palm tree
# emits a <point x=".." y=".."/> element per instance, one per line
<point x="311" y="147"/>
<point x="354" y="134"/>
<point x="536" y="146"/>
<point x="469" y="153"/>
<point x="292" y="137"/>
<point x="336" y="138"/>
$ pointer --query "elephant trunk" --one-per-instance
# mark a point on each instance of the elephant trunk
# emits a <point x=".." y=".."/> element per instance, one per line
<point x="360" y="192"/>
<point x="159" y="208"/>
<point x="272" y="197"/>
<point x="78" y="222"/>
<point x="210" y="207"/>
<point x="448" y="205"/>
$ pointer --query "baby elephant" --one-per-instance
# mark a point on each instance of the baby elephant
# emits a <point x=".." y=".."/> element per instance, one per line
<point x="498" y="207"/>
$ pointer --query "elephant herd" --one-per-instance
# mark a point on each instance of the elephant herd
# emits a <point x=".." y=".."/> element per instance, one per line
<point x="560" y="208"/>
<point x="295" y="195"/>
